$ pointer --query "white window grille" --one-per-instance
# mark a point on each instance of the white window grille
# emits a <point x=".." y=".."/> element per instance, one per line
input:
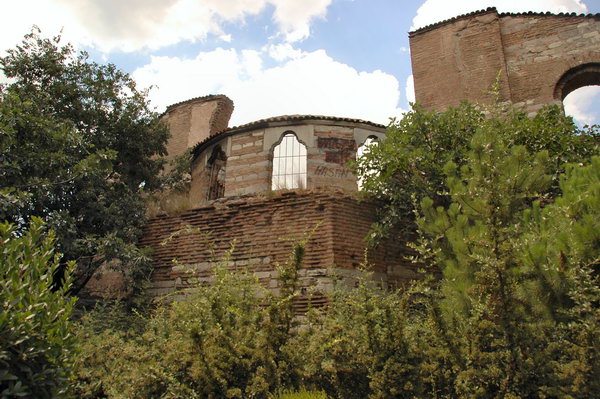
<point x="362" y="150"/>
<point x="289" y="163"/>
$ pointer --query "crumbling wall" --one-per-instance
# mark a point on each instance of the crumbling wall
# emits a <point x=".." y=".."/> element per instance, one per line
<point x="329" y="145"/>
<point x="263" y="230"/>
<point x="193" y="121"/>
<point x="327" y="166"/>
<point x="531" y="53"/>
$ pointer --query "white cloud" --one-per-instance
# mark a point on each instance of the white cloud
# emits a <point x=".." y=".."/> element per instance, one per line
<point x="409" y="90"/>
<point x="137" y="24"/>
<point x="282" y="52"/>
<point x="4" y="79"/>
<point x="432" y="11"/>
<point x="582" y="105"/>
<point x="294" y="17"/>
<point x="51" y="17"/>
<point x="307" y="83"/>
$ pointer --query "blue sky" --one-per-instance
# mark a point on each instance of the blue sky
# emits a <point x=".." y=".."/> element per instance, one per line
<point x="271" y="57"/>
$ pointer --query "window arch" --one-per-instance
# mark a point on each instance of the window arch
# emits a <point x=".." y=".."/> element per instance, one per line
<point x="575" y="78"/>
<point x="579" y="91"/>
<point x="289" y="163"/>
<point x="364" y="149"/>
<point x="216" y="173"/>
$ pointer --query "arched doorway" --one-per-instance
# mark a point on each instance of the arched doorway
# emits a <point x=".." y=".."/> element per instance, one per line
<point x="579" y="91"/>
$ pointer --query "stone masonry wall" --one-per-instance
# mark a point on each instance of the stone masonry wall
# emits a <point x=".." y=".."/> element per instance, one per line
<point x="248" y="164"/>
<point x="541" y="49"/>
<point x="250" y="156"/>
<point x="194" y="120"/>
<point x="327" y="160"/>
<point x="459" y="59"/>
<point x="263" y="230"/>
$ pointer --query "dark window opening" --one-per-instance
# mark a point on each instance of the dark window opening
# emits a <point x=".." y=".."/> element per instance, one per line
<point x="216" y="173"/>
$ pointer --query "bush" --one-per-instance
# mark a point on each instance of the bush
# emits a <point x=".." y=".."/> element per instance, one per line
<point x="301" y="394"/>
<point x="36" y="341"/>
<point x="228" y="339"/>
<point x="511" y="312"/>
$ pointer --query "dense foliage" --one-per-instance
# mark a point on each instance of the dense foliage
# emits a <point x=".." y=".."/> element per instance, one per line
<point x="79" y="148"/>
<point x="512" y="236"/>
<point x="36" y="339"/>
<point x="506" y="208"/>
<point x="410" y="162"/>
<point x="228" y="339"/>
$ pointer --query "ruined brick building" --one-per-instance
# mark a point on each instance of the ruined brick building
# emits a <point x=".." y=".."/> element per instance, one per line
<point x="539" y="57"/>
<point x="264" y="185"/>
<point x="267" y="183"/>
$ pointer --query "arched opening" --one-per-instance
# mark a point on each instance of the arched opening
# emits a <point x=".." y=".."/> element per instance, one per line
<point x="583" y="105"/>
<point x="579" y="91"/>
<point x="289" y="163"/>
<point x="216" y="173"/>
<point x="363" y="149"/>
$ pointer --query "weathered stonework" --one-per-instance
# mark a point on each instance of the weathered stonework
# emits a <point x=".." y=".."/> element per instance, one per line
<point x="193" y="121"/>
<point x="330" y="143"/>
<point x="539" y="58"/>
<point x="262" y="230"/>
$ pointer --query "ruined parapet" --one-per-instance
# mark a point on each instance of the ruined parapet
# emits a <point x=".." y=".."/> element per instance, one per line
<point x="539" y="58"/>
<point x="255" y="158"/>
<point x="263" y="185"/>
<point x="193" y="121"/>
<point x="263" y="230"/>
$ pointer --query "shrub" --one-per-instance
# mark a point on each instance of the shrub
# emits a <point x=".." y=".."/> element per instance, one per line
<point x="228" y="339"/>
<point x="36" y="341"/>
<point x="301" y="394"/>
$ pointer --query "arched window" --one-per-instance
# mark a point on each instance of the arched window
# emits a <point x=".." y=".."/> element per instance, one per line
<point x="289" y="163"/>
<point x="364" y="149"/>
<point x="216" y="173"/>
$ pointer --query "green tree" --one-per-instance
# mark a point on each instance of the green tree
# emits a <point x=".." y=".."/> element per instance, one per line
<point x="562" y="249"/>
<point x="80" y="147"/>
<point x="477" y="241"/>
<point x="410" y="161"/>
<point x="516" y="301"/>
<point x="37" y="345"/>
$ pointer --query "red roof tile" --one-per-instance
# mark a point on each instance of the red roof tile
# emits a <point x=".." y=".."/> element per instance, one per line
<point x="503" y="14"/>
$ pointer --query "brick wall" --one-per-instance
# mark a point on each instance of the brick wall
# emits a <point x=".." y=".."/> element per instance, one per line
<point x="250" y="154"/>
<point x="459" y="59"/>
<point x="263" y="229"/>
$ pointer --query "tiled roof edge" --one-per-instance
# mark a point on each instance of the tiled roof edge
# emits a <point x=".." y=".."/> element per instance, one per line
<point x="453" y="19"/>
<point x="548" y="13"/>
<point x="502" y="14"/>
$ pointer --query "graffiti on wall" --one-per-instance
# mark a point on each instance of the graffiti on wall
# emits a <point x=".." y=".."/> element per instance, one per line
<point x="329" y="171"/>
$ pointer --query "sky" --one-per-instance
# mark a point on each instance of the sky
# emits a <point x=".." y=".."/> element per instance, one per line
<point x="347" y="58"/>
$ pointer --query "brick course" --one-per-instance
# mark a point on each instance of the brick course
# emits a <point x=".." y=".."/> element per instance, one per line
<point x="263" y="230"/>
